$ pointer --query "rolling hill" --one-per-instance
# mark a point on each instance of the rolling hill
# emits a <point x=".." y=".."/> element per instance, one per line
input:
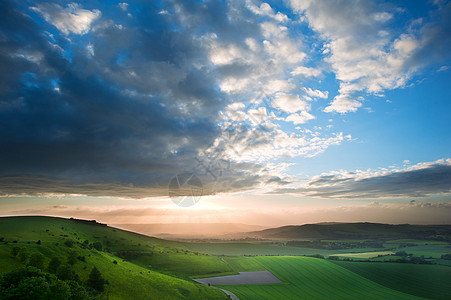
<point x="356" y="231"/>
<point x="117" y="257"/>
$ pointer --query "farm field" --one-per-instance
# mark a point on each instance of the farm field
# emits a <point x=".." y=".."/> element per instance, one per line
<point x="429" y="281"/>
<point x="312" y="278"/>
<point x="364" y="254"/>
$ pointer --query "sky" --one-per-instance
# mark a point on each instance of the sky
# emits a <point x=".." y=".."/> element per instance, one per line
<point x="266" y="113"/>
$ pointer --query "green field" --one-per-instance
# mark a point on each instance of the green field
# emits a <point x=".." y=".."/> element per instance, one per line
<point x="312" y="278"/>
<point x="427" y="281"/>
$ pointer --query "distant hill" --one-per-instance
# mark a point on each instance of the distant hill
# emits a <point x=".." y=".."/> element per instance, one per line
<point x="189" y="230"/>
<point x="355" y="231"/>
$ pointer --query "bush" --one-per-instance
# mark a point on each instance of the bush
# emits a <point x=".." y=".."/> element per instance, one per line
<point x="23" y="255"/>
<point x="97" y="246"/>
<point x="96" y="281"/>
<point x="53" y="265"/>
<point x="64" y="272"/>
<point x="69" y="243"/>
<point x="72" y="258"/>
<point x="15" y="251"/>
<point x="37" y="261"/>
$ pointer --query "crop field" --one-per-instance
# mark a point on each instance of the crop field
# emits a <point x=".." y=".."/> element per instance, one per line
<point x="429" y="281"/>
<point x="243" y="264"/>
<point x="364" y="254"/>
<point x="312" y="278"/>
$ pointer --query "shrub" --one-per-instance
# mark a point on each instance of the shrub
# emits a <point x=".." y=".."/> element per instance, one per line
<point x="15" y="251"/>
<point x="97" y="246"/>
<point x="72" y="258"/>
<point x="53" y="265"/>
<point x="23" y="255"/>
<point x="96" y="281"/>
<point x="37" y="261"/>
<point x="69" y="243"/>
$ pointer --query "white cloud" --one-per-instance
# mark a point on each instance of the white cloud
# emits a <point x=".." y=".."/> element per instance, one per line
<point x="290" y="103"/>
<point x="71" y="19"/>
<point x="362" y="54"/>
<point x="300" y="118"/>
<point x="123" y="6"/>
<point x="266" y="10"/>
<point x="307" y="72"/>
<point x="343" y="104"/>
<point x="316" y="93"/>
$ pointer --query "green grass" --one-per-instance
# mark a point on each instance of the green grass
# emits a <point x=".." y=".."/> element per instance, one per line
<point x="243" y="264"/>
<point x="429" y="281"/>
<point x="188" y="264"/>
<point x="311" y="278"/>
<point x="126" y="279"/>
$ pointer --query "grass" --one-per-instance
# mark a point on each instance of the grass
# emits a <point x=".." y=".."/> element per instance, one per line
<point x="312" y="278"/>
<point x="243" y="264"/>
<point x="200" y="264"/>
<point x="429" y="281"/>
<point x="125" y="278"/>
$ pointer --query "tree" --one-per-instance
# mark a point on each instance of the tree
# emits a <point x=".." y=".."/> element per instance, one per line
<point x="64" y="272"/>
<point x="72" y="258"/>
<point x="53" y="265"/>
<point x="15" y="251"/>
<point x="37" y="261"/>
<point x="97" y="246"/>
<point x="32" y="283"/>
<point x="23" y="255"/>
<point x="96" y="280"/>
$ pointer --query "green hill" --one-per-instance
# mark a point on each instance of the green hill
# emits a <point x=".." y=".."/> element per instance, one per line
<point x="357" y="231"/>
<point x="122" y="257"/>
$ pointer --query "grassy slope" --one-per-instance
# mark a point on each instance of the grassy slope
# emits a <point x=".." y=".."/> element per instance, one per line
<point x="311" y="278"/>
<point x="126" y="278"/>
<point x="428" y="281"/>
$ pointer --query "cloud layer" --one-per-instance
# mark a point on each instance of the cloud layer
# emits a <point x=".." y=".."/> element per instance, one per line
<point x="421" y="180"/>
<point x="115" y="100"/>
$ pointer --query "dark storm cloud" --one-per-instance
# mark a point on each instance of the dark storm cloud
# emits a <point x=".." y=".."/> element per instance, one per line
<point x="111" y="107"/>
<point x="427" y="179"/>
